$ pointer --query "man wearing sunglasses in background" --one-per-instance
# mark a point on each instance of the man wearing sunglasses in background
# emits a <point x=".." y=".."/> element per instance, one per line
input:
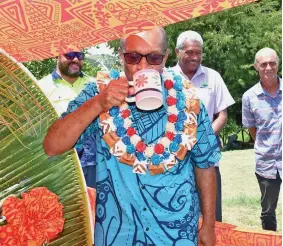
<point x="66" y="81"/>
<point x="62" y="86"/>
<point x="262" y="115"/>
<point x="149" y="208"/>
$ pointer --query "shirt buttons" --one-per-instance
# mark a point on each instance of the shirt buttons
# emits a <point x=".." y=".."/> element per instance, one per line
<point x="147" y="229"/>
<point x="144" y="209"/>
<point x="143" y="187"/>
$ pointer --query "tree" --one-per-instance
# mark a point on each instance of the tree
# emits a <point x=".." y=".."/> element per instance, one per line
<point x="106" y="62"/>
<point x="41" y="68"/>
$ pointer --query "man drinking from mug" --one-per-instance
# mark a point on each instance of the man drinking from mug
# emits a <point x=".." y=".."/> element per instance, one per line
<point x="149" y="163"/>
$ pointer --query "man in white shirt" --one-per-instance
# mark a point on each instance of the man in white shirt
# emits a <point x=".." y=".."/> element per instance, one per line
<point x="211" y="89"/>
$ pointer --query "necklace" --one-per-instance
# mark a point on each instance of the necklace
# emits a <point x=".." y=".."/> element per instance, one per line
<point x="129" y="148"/>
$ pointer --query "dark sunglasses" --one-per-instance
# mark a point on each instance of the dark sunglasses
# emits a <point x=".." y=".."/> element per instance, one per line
<point x="135" y="58"/>
<point x="71" y="55"/>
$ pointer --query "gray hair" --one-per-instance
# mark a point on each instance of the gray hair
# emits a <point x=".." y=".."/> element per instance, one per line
<point x="188" y="36"/>
<point x="264" y="52"/>
<point x="122" y="43"/>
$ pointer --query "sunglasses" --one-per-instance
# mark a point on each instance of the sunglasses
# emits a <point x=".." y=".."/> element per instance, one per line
<point x="135" y="58"/>
<point x="71" y="55"/>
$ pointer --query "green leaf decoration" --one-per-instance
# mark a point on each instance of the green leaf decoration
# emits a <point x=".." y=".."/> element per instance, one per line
<point x="25" y="116"/>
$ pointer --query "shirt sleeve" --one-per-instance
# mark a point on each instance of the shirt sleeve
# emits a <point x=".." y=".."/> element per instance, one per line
<point x="206" y="152"/>
<point x="222" y="95"/>
<point x="86" y="94"/>
<point x="248" y="118"/>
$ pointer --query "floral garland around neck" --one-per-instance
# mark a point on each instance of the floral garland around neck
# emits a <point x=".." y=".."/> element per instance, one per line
<point x="179" y="137"/>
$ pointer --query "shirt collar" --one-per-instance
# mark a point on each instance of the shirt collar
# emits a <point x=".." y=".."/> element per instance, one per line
<point x="199" y="71"/>
<point x="259" y="90"/>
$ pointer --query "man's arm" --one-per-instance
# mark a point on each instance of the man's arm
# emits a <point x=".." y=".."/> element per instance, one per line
<point x="64" y="133"/>
<point x="220" y="121"/>
<point x="204" y="155"/>
<point x="206" y="182"/>
<point x="248" y="118"/>
<point x="252" y="131"/>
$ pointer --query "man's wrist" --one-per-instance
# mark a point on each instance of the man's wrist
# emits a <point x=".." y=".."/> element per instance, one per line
<point x="208" y="223"/>
<point x="96" y="105"/>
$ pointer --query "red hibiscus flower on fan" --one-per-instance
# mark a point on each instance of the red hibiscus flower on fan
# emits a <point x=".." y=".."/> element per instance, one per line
<point x="141" y="80"/>
<point x="33" y="220"/>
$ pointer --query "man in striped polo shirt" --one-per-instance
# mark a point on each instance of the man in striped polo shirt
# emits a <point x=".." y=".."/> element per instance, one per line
<point x="262" y="115"/>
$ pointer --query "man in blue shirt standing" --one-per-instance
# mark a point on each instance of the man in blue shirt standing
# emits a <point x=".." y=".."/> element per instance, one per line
<point x="149" y="163"/>
<point x="262" y="115"/>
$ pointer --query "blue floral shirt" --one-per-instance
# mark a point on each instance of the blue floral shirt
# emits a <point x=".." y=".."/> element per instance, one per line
<point x="134" y="209"/>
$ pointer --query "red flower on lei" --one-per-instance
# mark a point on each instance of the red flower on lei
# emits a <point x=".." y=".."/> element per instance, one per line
<point x="172" y="118"/>
<point x="159" y="149"/>
<point x="140" y="147"/>
<point x="131" y="131"/>
<point x="168" y="84"/>
<point x="170" y="135"/>
<point x="126" y="113"/>
<point x="171" y="101"/>
<point x="33" y="220"/>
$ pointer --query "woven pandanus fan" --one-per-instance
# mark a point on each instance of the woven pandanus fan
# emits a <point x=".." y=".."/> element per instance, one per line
<point x="25" y="116"/>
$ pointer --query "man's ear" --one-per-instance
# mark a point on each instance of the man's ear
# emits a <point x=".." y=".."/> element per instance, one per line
<point x="56" y="59"/>
<point x="256" y="67"/>
<point x="177" y="52"/>
<point x="120" y="52"/>
<point x="167" y="52"/>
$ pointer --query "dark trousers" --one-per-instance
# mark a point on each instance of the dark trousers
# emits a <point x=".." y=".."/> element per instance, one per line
<point x="269" y="189"/>
<point x="218" y="211"/>
<point x="90" y="176"/>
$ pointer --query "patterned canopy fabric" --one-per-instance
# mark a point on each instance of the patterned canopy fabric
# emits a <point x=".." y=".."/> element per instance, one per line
<point x="229" y="235"/>
<point x="38" y="29"/>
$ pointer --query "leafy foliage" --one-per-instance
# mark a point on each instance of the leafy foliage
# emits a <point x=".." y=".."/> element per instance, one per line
<point x="42" y="68"/>
<point x="230" y="127"/>
<point x="105" y="62"/>
<point x="89" y="69"/>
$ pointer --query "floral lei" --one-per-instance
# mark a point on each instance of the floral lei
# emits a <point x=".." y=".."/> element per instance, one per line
<point x="179" y="137"/>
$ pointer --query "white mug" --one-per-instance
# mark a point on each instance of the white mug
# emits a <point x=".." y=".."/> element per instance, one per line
<point x="148" y="89"/>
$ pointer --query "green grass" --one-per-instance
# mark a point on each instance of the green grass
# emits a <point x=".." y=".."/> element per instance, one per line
<point x="243" y="200"/>
<point x="240" y="191"/>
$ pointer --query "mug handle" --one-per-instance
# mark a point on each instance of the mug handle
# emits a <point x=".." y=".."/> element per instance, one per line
<point x="131" y="99"/>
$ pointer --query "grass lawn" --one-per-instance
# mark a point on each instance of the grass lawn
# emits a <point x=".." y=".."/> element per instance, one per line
<point x="240" y="191"/>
